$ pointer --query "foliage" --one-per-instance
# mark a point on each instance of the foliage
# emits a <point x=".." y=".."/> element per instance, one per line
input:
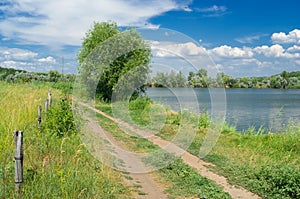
<point x="107" y="55"/>
<point x="65" y="87"/>
<point x="140" y="103"/>
<point x="204" y="121"/>
<point x="170" y="80"/>
<point x="269" y="181"/>
<point x="54" y="75"/>
<point x="200" y="79"/>
<point x="4" y="72"/>
<point x="18" y="76"/>
<point x="59" y="120"/>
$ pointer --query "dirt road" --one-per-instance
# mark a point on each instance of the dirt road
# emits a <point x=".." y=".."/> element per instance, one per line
<point x="150" y="186"/>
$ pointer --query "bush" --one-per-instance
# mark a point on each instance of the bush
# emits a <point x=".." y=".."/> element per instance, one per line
<point x="140" y="103"/>
<point x="204" y="121"/>
<point x="270" y="181"/>
<point x="59" y="120"/>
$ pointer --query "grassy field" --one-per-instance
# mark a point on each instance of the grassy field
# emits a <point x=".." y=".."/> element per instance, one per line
<point x="56" y="165"/>
<point x="265" y="163"/>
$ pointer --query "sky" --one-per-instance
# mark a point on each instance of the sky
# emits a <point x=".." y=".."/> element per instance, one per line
<point x="241" y="38"/>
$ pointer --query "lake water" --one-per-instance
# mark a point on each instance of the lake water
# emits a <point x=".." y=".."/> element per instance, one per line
<point x="268" y="108"/>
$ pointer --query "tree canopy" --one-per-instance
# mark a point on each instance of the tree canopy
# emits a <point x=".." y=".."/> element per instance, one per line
<point x="108" y="55"/>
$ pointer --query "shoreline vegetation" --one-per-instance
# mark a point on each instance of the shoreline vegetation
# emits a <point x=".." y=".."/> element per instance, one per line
<point x="200" y="79"/>
<point x="266" y="163"/>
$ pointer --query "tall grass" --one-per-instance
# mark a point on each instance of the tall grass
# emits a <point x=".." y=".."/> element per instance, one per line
<point x="54" y="166"/>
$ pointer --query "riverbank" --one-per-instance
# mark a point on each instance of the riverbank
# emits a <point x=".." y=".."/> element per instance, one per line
<point x="267" y="164"/>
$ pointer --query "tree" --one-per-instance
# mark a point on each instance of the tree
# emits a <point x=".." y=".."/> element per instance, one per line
<point x="181" y="80"/>
<point x="53" y="75"/>
<point x="109" y="56"/>
<point x="202" y="73"/>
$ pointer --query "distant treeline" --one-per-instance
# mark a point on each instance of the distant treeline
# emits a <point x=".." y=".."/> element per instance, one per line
<point x="13" y="76"/>
<point x="201" y="79"/>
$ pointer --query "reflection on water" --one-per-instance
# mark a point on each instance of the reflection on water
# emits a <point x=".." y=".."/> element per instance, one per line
<point x="269" y="108"/>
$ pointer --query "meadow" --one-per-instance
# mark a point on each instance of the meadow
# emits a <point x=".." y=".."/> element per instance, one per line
<point x="56" y="164"/>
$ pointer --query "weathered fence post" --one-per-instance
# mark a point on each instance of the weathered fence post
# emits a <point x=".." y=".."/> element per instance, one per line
<point x="46" y="105"/>
<point x="50" y="98"/>
<point x="39" y="116"/>
<point x="18" y="138"/>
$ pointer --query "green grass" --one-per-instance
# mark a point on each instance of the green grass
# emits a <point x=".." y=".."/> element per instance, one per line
<point x="180" y="179"/>
<point x="54" y="166"/>
<point x="264" y="162"/>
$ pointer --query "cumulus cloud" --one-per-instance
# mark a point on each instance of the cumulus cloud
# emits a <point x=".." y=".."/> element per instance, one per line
<point x="47" y="60"/>
<point x="231" y="52"/>
<point x="25" y="60"/>
<point x="293" y="49"/>
<point x="65" y="22"/>
<point x="238" y="61"/>
<point x="167" y="49"/>
<point x="273" y="51"/>
<point x="16" y="54"/>
<point x="276" y="51"/>
<point x="292" y="37"/>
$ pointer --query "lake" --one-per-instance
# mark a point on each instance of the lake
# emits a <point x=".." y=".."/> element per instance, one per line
<point x="271" y="109"/>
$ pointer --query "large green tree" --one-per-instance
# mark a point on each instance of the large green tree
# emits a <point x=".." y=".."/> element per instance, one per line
<point x="109" y="56"/>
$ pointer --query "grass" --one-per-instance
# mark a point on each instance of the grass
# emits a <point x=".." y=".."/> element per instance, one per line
<point x="179" y="178"/>
<point x="267" y="163"/>
<point x="55" y="166"/>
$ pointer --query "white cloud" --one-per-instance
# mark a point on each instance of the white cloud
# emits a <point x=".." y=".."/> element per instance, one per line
<point x="167" y="49"/>
<point x="250" y="39"/>
<point x="48" y="60"/>
<point x="213" y="11"/>
<point x="213" y="8"/>
<point x="293" y="49"/>
<point x="25" y="59"/>
<point x="16" y="54"/>
<point x="231" y="52"/>
<point x="276" y="51"/>
<point x="65" y="22"/>
<point x="292" y="37"/>
<point x="273" y="51"/>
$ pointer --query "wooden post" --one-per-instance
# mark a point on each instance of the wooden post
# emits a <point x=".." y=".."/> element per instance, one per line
<point x="18" y="138"/>
<point x="39" y="116"/>
<point x="46" y="105"/>
<point x="50" y="98"/>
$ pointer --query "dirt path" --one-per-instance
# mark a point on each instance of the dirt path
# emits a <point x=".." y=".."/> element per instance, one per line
<point x="143" y="184"/>
<point x="193" y="161"/>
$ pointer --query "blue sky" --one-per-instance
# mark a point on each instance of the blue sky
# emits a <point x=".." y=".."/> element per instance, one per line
<point x="243" y="38"/>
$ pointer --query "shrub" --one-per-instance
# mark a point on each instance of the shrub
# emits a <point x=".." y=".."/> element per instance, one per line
<point x="59" y="120"/>
<point x="204" y="121"/>
<point x="140" y="103"/>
